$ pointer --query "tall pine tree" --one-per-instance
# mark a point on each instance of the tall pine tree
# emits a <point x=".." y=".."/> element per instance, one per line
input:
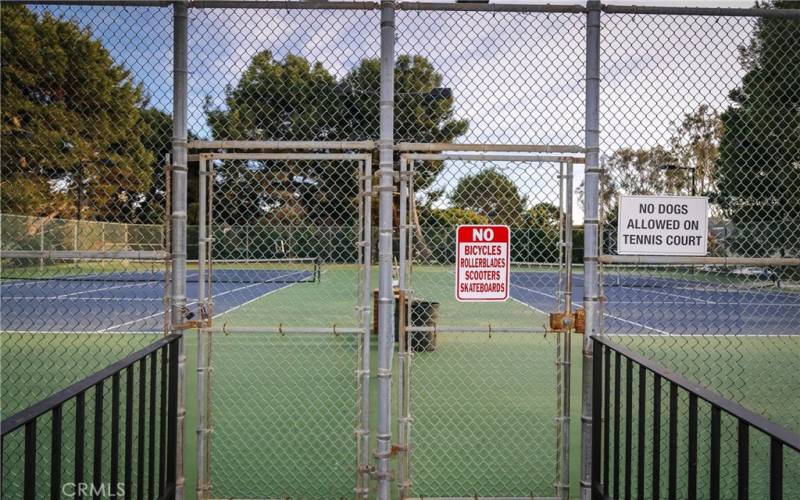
<point x="758" y="170"/>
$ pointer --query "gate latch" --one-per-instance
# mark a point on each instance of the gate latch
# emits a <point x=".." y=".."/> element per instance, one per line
<point x="562" y="321"/>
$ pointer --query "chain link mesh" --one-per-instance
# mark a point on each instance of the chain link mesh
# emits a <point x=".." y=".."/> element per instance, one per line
<point x="695" y="105"/>
<point x="689" y="105"/>
<point x="85" y="130"/>
<point x="287" y="275"/>
<point x="470" y="430"/>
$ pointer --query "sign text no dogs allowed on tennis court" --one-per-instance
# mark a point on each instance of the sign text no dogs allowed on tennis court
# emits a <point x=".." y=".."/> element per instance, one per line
<point x="662" y="225"/>
<point x="482" y="255"/>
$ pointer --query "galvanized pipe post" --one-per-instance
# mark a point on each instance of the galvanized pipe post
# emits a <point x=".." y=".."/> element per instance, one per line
<point x="567" y="359"/>
<point x="590" y="239"/>
<point x="179" y="209"/>
<point x="385" y="294"/>
<point x="202" y="365"/>
<point x="366" y="342"/>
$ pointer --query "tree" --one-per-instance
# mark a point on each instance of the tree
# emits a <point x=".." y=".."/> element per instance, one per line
<point x="423" y="109"/>
<point x="543" y="215"/>
<point x="71" y="122"/>
<point x="293" y="99"/>
<point x="758" y="171"/>
<point x="491" y="194"/>
<point x="695" y="148"/>
<point x="637" y="171"/>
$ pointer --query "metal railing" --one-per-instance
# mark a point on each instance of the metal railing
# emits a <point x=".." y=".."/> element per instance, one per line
<point x="133" y="464"/>
<point x="628" y="434"/>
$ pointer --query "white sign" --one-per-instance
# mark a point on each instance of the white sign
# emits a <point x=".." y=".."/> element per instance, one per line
<point x="482" y="255"/>
<point x="662" y="225"/>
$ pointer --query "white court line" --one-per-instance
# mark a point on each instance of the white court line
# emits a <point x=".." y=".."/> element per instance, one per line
<point x="125" y="299"/>
<point x="160" y="313"/>
<point x="78" y="332"/>
<point x="530" y="306"/>
<point x="743" y="303"/>
<point x="667" y="293"/>
<point x="736" y="335"/>
<point x="18" y="282"/>
<point x="195" y="303"/>
<point x="288" y="285"/>
<point x="106" y="288"/>
<point x="640" y="325"/>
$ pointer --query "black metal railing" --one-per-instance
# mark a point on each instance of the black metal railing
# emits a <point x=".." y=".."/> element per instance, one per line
<point x="710" y="452"/>
<point x="129" y="440"/>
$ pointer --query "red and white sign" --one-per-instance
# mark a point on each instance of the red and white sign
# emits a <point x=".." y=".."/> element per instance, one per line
<point x="482" y="255"/>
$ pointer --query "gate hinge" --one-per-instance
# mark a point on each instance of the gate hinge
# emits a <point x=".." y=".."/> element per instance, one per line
<point x="396" y="448"/>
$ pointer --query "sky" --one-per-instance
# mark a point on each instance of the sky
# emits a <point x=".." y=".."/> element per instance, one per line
<point x="517" y="78"/>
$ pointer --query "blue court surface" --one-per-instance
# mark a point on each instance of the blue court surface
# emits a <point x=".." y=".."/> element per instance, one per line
<point x="649" y="306"/>
<point x="657" y="305"/>
<point x="110" y="303"/>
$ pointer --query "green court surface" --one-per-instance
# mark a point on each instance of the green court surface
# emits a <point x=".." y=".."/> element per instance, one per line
<point x="284" y="406"/>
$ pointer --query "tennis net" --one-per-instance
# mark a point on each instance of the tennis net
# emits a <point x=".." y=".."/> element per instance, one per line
<point x="675" y="276"/>
<point x="133" y="266"/>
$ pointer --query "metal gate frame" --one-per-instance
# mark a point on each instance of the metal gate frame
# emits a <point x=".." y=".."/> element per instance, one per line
<point x="206" y="329"/>
<point x="563" y="293"/>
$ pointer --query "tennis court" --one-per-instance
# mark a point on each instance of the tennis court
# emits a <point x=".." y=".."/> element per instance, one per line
<point x="110" y="313"/>
<point x="126" y="301"/>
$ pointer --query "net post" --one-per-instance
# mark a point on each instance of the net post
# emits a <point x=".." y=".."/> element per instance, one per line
<point x="179" y="215"/>
<point x="75" y="240"/>
<point x="590" y="251"/>
<point x="41" y="243"/>
<point x="385" y="295"/>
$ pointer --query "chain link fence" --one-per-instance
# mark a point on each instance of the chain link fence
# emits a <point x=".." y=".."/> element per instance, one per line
<point x="702" y="105"/>
<point x="280" y="274"/>
<point x="465" y="365"/>
<point x="85" y="130"/>
<point x="284" y="243"/>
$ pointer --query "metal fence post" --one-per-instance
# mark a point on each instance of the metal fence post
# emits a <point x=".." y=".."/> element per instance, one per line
<point x="179" y="195"/>
<point x="367" y="312"/>
<point x="385" y="294"/>
<point x="202" y="367"/>
<point x="590" y="240"/>
<point x="567" y="355"/>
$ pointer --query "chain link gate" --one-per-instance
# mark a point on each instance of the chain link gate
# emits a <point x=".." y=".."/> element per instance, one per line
<point x="283" y="354"/>
<point x="477" y="381"/>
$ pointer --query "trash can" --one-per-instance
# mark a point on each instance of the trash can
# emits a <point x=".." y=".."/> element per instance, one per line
<point x="424" y="313"/>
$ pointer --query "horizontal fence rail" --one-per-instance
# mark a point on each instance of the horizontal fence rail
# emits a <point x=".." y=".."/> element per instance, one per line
<point x="101" y="452"/>
<point x="627" y="432"/>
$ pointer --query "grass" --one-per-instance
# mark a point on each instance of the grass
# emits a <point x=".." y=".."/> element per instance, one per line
<point x="483" y="406"/>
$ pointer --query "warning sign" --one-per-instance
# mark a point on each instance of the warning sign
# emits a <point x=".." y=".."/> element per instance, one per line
<point x="482" y="255"/>
<point x="662" y="225"/>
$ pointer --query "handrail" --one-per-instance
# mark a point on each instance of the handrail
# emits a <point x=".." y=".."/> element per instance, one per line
<point x="607" y="478"/>
<point x="787" y="437"/>
<point x="39" y="408"/>
<point x="156" y="444"/>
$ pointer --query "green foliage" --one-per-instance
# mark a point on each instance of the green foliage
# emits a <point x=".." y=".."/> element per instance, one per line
<point x="279" y="100"/>
<point x="695" y="149"/>
<point x="542" y="215"/>
<point x="449" y="217"/>
<point x="759" y="159"/>
<point x="491" y="194"/>
<point x="293" y="99"/>
<point x="71" y="127"/>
